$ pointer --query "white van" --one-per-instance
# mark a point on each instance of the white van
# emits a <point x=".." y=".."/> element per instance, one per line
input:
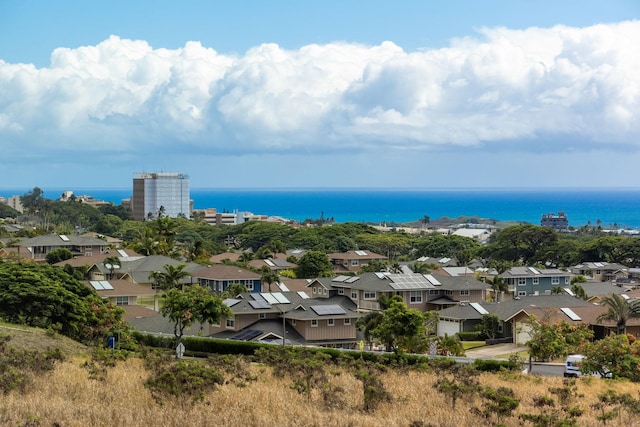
<point x="572" y="367"/>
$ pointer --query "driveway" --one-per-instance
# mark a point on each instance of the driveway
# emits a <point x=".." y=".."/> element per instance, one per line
<point x="497" y="351"/>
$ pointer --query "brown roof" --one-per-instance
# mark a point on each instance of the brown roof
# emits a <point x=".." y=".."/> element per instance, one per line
<point x="122" y="288"/>
<point x="137" y="311"/>
<point x="224" y="272"/>
<point x="356" y="255"/>
<point x="231" y="256"/>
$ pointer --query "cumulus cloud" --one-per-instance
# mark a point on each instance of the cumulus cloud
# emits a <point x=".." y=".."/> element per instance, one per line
<point x="502" y="87"/>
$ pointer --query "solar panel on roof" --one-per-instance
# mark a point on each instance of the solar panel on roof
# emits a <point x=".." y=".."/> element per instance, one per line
<point x="432" y="280"/>
<point x="247" y="335"/>
<point x="361" y="253"/>
<point x="269" y="263"/>
<point x="303" y="295"/>
<point x="282" y="287"/>
<point x="122" y="252"/>
<point x="96" y="285"/>
<point x="340" y="278"/>
<point x="257" y="297"/>
<point x="106" y="285"/>
<point x="570" y="313"/>
<point x="63" y="237"/>
<point x="480" y="309"/>
<point x="280" y="298"/>
<point x="230" y="302"/>
<point x="330" y="309"/>
<point x="268" y="297"/>
<point x="259" y="304"/>
<point x="352" y="279"/>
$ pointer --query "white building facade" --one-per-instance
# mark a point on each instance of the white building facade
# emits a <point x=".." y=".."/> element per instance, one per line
<point x="165" y="193"/>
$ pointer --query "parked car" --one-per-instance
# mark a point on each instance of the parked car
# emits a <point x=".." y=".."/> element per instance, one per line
<point x="572" y="367"/>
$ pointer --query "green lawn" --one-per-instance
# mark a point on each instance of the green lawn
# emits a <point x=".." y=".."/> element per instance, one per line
<point x="468" y="345"/>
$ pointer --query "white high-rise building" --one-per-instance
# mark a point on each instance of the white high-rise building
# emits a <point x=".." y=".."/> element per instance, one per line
<point x="160" y="192"/>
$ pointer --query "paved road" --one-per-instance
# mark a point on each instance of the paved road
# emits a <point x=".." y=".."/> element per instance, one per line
<point x="502" y="351"/>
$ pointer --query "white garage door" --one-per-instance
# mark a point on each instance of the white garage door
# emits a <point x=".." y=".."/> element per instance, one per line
<point x="449" y="327"/>
<point x="522" y="333"/>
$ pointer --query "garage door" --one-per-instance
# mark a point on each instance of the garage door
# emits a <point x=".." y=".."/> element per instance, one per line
<point x="449" y="327"/>
<point x="522" y="333"/>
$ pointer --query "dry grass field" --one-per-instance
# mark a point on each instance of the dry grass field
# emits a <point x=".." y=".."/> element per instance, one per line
<point x="68" y="397"/>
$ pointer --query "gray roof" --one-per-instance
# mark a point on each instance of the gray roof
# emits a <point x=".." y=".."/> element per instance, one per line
<point x="141" y="268"/>
<point x="508" y="308"/>
<point x="61" y="240"/>
<point x="392" y="282"/>
<point x="534" y="272"/>
<point x="297" y="307"/>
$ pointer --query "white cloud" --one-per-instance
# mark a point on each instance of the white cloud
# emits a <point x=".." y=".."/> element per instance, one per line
<point x="505" y="86"/>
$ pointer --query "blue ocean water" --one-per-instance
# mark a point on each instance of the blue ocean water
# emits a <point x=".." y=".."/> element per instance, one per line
<point x="609" y="206"/>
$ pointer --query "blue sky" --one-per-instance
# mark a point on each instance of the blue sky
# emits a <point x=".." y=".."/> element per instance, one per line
<point x="414" y="94"/>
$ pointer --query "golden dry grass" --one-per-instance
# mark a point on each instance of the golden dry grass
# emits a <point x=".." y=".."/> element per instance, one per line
<point x="69" y="398"/>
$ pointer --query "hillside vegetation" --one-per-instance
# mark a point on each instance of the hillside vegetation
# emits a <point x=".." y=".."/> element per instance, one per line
<point x="72" y="395"/>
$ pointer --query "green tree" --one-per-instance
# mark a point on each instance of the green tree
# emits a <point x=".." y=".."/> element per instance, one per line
<point x="233" y="290"/>
<point x="112" y="263"/>
<point x="314" y="264"/>
<point x="47" y="297"/>
<point x="192" y="304"/>
<point x="401" y="328"/>
<point x="269" y="277"/>
<point x="620" y="311"/>
<point x="59" y="254"/>
<point x="613" y="355"/>
<point x="172" y="276"/>
<point x="489" y="325"/>
<point x="556" y="340"/>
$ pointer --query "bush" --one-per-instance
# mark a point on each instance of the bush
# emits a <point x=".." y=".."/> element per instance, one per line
<point x="471" y="336"/>
<point x="496" y="365"/>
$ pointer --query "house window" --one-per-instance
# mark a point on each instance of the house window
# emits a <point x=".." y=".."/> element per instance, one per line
<point x="324" y="291"/>
<point x="354" y="262"/>
<point x="88" y="254"/>
<point x="434" y="292"/>
<point x="415" y="297"/>
<point x="122" y="300"/>
<point x="262" y="315"/>
<point x="231" y="323"/>
<point x="249" y="286"/>
<point x="331" y="322"/>
<point x="347" y="322"/>
<point x="314" y="290"/>
<point x="340" y="291"/>
<point x="522" y="281"/>
<point x="566" y="280"/>
<point x="449" y="293"/>
<point x="555" y="280"/>
<point x="369" y="295"/>
<point x="465" y="293"/>
<point x="314" y="323"/>
<point x="522" y="293"/>
<point x="354" y="294"/>
<point x="535" y="281"/>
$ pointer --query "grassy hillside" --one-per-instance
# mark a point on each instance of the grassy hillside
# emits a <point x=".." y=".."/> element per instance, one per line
<point x="67" y="396"/>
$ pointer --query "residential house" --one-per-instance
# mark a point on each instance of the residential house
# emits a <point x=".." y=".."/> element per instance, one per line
<point x="512" y="313"/>
<point x="218" y="277"/>
<point x="601" y="271"/>
<point x="126" y="295"/>
<point x="139" y="269"/>
<point x="353" y="261"/>
<point x="37" y="248"/>
<point x="419" y="291"/>
<point x="290" y="318"/>
<point x="274" y="264"/>
<point x="523" y="281"/>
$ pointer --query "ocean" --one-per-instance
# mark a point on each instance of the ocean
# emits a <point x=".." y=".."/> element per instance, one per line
<point x="609" y="207"/>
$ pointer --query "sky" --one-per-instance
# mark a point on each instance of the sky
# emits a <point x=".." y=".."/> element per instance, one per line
<point x="279" y="94"/>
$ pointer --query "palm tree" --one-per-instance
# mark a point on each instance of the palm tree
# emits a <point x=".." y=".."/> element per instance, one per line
<point x="112" y="263"/>
<point x="620" y="311"/>
<point x="268" y="276"/>
<point x="557" y="290"/>
<point x="368" y="323"/>
<point x="171" y="277"/>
